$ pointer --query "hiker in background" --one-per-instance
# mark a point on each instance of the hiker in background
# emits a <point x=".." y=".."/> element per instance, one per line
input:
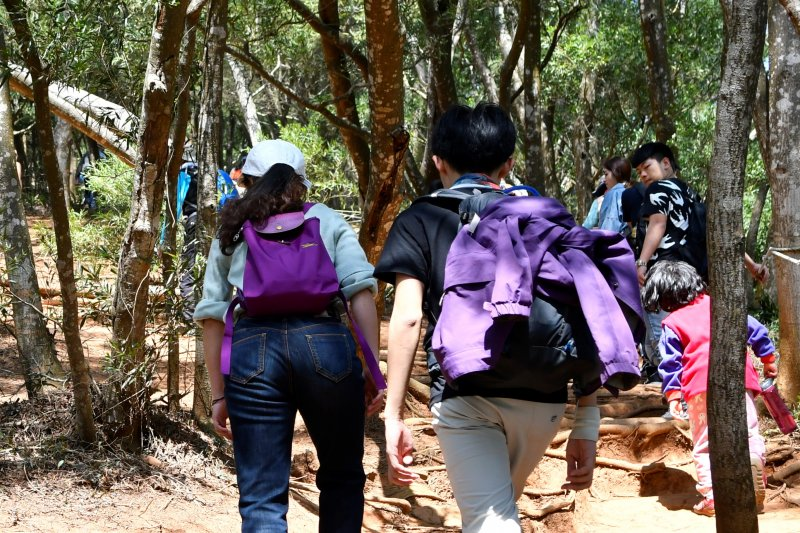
<point x="492" y="435"/>
<point x="593" y="218"/>
<point x="285" y="362"/>
<point x="685" y="342"/>
<point x="187" y="214"/>
<point x="617" y="172"/>
<point x="88" y="159"/>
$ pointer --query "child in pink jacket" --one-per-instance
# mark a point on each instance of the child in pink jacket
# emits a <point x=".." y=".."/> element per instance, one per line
<point x="685" y="343"/>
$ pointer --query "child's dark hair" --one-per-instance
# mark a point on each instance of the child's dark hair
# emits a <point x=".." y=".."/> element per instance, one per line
<point x="474" y="140"/>
<point x="655" y="150"/>
<point x="280" y="190"/>
<point x="670" y="285"/>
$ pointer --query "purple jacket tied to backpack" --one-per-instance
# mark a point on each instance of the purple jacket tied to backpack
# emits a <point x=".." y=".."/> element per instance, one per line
<point x="288" y="272"/>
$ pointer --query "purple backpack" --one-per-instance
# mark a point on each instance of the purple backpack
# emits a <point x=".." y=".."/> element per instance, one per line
<point x="288" y="272"/>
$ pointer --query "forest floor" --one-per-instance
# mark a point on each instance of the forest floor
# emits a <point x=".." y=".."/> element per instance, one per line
<point x="185" y="479"/>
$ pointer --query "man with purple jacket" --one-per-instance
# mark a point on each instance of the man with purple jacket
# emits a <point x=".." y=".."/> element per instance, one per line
<point x="493" y="431"/>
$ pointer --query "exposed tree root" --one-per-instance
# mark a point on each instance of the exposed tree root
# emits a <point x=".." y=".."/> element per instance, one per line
<point x="786" y="472"/>
<point x="644" y="468"/>
<point x="400" y="503"/>
<point x="536" y="513"/>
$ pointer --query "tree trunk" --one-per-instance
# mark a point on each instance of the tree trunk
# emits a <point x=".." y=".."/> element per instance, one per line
<point x="659" y="84"/>
<point x="389" y="139"/>
<point x="511" y="49"/>
<point x="251" y="121"/>
<point x="727" y="426"/>
<point x="131" y="295"/>
<point x="784" y="138"/>
<point x="532" y="88"/>
<point x="581" y="146"/>
<point x="210" y="142"/>
<point x="344" y="95"/>
<point x="62" y="134"/>
<point x="549" y="152"/>
<point x="751" y="240"/>
<point x="793" y="11"/>
<point x="438" y="17"/>
<point x="169" y="248"/>
<point x="34" y="342"/>
<point x="479" y="62"/>
<point x="66" y="272"/>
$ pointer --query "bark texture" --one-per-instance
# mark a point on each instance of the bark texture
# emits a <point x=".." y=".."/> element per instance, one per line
<point x="169" y="248"/>
<point x="34" y="342"/>
<point x="208" y="162"/>
<point x="532" y="88"/>
<point x="730" y="460"/>
<point x="131" y="295"/>
<point x="659" y="79"/>
<point x="64" y="261"/>
<point x="784" y="138"/>
<point x="62" y="134"/>
<point x="246" y="102"/>
<point x="344" y="95"/>
<point x="792" y="8"/>
<point x="389" y="139"/>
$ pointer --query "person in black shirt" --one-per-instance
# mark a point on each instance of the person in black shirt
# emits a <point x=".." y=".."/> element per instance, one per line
<point x="491" y="439"/>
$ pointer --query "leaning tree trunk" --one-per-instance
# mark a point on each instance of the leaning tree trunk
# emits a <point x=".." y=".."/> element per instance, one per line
<point x="66" y="271"/>
<point x="344" y="96"/>
<point x="169" y="248"/>
<point x="131" y="295"/>
<point x="389" y="139"/>
<point x="784" y="138"/>
<point x="210" y="142"/>
<point x="581" y="146"/>
<point x="511" y="48"/>
<point x="727" y="420"/>
<point x="246" y="102"/>
<point x="659" y="83"/>
<point x="34" y="342"/>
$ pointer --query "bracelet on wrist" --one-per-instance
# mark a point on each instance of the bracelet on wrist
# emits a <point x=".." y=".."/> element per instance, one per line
<point x="641" y="263"/>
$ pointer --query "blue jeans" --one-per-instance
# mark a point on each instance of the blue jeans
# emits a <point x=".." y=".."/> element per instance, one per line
<point x="653" y="337"/>
<point x="280" y="366"/>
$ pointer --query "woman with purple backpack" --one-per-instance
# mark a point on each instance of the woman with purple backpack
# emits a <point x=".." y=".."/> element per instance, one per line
<point x="280" y="346"/>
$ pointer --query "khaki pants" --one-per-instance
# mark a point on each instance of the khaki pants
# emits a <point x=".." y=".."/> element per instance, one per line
<point x="490" y="447"/>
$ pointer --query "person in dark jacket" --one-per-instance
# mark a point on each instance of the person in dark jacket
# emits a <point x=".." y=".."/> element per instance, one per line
<point x="492" y="439"/>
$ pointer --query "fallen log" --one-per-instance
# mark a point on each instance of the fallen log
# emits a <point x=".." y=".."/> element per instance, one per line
<point x="786" y="472"/>
<point x="644" y="468"/>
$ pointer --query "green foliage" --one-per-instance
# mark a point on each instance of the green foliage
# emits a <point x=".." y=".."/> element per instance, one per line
<point x="327" y="165"/>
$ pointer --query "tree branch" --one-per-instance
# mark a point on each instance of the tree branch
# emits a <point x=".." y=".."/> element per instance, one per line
<point x="259" y="69"/>
<point x="330" y="36"/>
<point x="563" y="22"/>
<point x="792" y="8"/>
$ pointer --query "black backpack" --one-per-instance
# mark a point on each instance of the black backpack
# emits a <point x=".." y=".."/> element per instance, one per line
<point x="695" y="252"/>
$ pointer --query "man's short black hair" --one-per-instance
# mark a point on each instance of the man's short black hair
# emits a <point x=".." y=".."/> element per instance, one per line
<point x="654" y="150"/>
<point x="474" y="140"/>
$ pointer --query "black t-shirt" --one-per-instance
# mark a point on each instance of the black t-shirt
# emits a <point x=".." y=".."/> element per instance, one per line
<point x="632" y="198"/>
<point x="666" y="197"/>
<point x="417" y="246"/>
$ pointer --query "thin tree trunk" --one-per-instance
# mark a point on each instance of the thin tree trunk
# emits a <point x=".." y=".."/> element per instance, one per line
<point x="438" y="17"/>
<point x="66" y="272"/>
<point x="34" y="342"/>
<point x="389" y="140"/>
<point x="784" y="138"/>
<point x="180" y="124"/>
<point x="581" y="146"/>
<point x="549" y="151"/>
<point x="512" y="49"/>
<point x="479" y="62"/>
<point x="62" y="134"/>
<point x="727" y="427"/>
<point x="131" y="295"/>
<point x="659" y="81"/>
<point x="532" y="88"/>
<point x="246" y="102"/>
<point x="344" y="95"/>
<point x="751" y="240"/>
<point x="210" y="142"/>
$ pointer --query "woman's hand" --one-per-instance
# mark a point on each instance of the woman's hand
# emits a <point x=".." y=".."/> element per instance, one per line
<point x="219" y="418"/>
<point x="373" y="398"/>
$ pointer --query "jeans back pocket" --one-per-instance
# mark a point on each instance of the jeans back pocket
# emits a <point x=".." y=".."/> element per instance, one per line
<point x="333" y="354"/>
<point x="247" y="357"/>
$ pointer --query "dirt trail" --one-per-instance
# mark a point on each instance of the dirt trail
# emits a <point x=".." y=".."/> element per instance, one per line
<point x="186" y="482"/>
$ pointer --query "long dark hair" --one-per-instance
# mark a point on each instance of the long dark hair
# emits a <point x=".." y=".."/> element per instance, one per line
<point x="280" y="190"/>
